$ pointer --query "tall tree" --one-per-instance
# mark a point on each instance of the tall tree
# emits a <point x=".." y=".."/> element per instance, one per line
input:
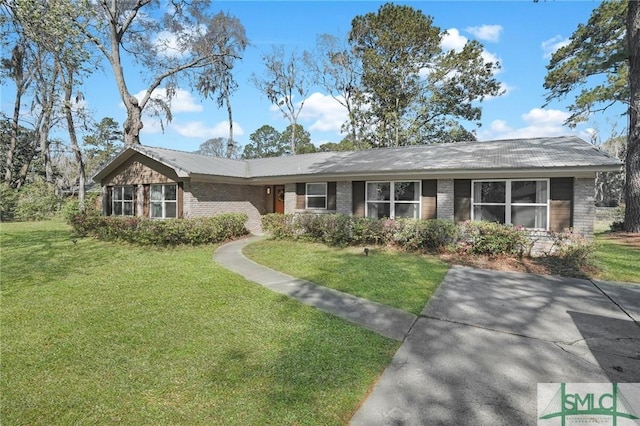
<point x="413" y="91"/>
<point x="54" y="29"/>
<point x="265" y="142"/>
<point x="302" y="142"/>
<point x="15" y="68"/>
<point x="284" y="78"/>
<point x="337" y="70"/>
<point x="102" y="144"/>
<point x="605" y="50"/>
<point x="168" y="41"/>
<point x="219" y="147"/>
<point x="219" y="78"/>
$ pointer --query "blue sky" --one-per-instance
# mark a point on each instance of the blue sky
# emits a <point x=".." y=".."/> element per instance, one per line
<point x="520" y="34"/>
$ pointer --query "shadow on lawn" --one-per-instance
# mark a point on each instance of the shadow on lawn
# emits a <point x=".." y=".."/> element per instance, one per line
<point x="39" y="257"/>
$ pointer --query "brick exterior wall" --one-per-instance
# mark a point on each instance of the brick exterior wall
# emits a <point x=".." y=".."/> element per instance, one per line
<point x="444" y="199"/>
<point x="344" y="198"/>
<point x="209" y="199"/>
<point x="290" y="198"/>
<point x="584" y="205"/>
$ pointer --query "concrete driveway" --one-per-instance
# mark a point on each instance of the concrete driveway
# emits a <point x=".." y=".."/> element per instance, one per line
<point x="486" y="339"/>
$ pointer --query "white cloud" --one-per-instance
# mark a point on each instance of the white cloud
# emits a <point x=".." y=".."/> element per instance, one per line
<point x="538" y="123"/>
<point x="486" y="32"/>
<point x="170" y="46"/>
<point x="325" y="113"/>
<point x="452" y="40"/>
<point x="199" y="129"/>
<point x="167" y="45"/>
<point x="182" y="100"/>
<point x="543" y="117"/>
<point x="549" y="47"/>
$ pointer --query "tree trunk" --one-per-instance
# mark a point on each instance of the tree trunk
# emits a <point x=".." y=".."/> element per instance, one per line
<point x="133" y="123"/>
<point x="68" y="89"/>
<point x="15" y="130"/>
<point x="632" y="190"/>
<point x="230" y="141"/>
<point x="293" y="137"/>
<point x="45" y="152"/>
<point x="24" y="170"/>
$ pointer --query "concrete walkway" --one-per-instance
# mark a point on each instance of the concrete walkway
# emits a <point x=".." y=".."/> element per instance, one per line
<point x="486" y="339"/>
<point x="483" y="343"/>
<point x="382" y="319"/>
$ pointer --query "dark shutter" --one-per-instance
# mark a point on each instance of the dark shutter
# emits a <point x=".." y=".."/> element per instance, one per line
<point x="461" y="200"/>
<point x="301" y="189"/>
<point x="358" y="198"/>
<point x="331" y="195"/>
<point x="145" y="201"/>
<point x="561" y="196"/>
<point x="106" y="201"/>
<point x="180" y="199"/>
<point x="428" y="201"/>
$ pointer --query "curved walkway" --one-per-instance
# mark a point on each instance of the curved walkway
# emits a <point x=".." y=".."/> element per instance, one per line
<point x="483" y="343"/>
<point x="385" y="320"/>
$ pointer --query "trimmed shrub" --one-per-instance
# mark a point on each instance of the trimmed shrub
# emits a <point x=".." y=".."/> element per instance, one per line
<point x="575" y="250"/>
<point x="491" y="239"/>
<point x="279" y="226"/>
<point x="170" y="232"/>
<point x="433" y="235"/>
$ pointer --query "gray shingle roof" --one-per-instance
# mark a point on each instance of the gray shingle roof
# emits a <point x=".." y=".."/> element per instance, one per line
<point x="520" y="154"/>
<point x="502" y="154"/>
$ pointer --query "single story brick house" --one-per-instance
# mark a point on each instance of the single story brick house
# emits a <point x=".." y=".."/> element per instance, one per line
<point x="538" y="183"/>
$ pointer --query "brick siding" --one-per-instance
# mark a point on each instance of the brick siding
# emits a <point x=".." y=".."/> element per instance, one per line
<point x="344" y="198"/>
<point x="584" y="205"/>
<point x="209" y="199"/>
<point x="444" y="199"/>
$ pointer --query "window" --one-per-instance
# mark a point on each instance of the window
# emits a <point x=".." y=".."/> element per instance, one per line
<point x="122" y="201"/>
<point x="393" y="199"/>
<point x="518" y="202"/>
<point x="164" y="201"/>
<point x="316" y="196"/>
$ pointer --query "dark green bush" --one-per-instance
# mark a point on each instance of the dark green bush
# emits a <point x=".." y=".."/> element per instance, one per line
<point x="491" y="239"/>
<point x="279" y="226"/>
<point x="37" y="201"/>
<point x="8" y="202"/>
<point x="171" y="232"/>
<point x="72" y="207"/>
<point x="432" y="235"/>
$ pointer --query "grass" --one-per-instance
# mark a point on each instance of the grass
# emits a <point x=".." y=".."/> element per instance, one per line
<point x="618" y="257"/>
<point x="405" y="281"/>
<point x="105" y="333"/>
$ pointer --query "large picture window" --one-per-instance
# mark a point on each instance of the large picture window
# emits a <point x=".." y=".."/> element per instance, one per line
<point x="316" y="196"/>
<point x="164" y="201"/>
<point x="122" y="201"/>
<point x="518" y="202"/>
<point x="393" y="199"/>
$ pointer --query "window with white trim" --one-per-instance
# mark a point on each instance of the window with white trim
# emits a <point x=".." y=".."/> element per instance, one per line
<point x="393" y="199"/>
<point x="316" y="196"/>
<point x="519" y="202"/>
<point x="122" y="201"/>
<point x="163" y="201"/>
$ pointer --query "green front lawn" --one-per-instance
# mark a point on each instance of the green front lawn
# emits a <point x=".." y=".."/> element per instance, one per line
<point x="106" y="333"/>
<point x="618" y="257"/>
<point x="405" y="281"/>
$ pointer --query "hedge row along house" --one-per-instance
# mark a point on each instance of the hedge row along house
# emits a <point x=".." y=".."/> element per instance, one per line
<point x="541" y="183"/>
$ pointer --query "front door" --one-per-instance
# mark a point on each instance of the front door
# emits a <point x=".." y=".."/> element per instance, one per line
<point x="278" y="194"/>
